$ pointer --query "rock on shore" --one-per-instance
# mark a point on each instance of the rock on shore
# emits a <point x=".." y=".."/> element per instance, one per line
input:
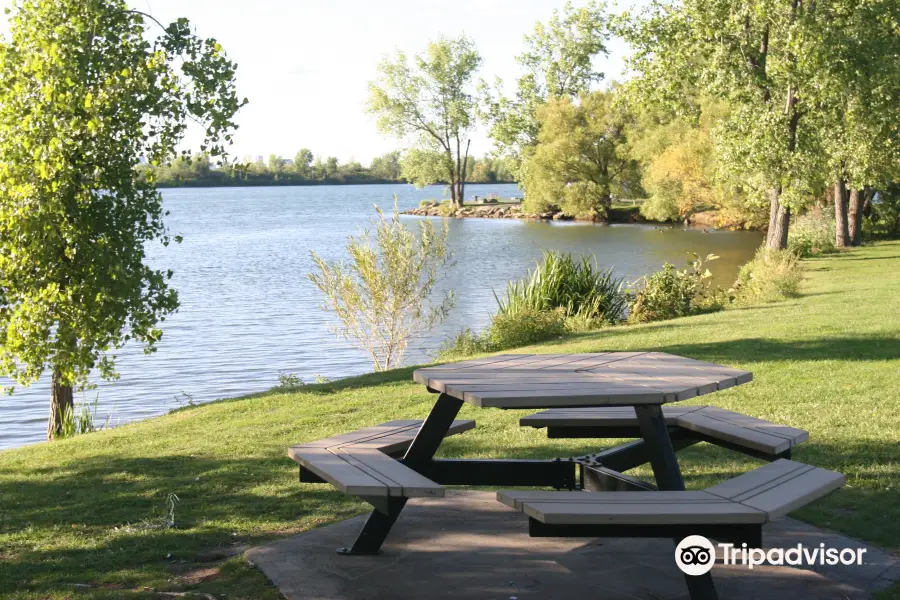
<point x="502" y="211"/>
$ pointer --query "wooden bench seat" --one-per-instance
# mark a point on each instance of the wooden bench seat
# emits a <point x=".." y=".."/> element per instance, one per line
<point x="358" y="463"/>
<point x="751" y="499"/>
<point x="708" y="423"/>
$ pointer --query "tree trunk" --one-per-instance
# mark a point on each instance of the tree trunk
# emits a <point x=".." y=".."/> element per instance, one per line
<point x="779" y="222"/>
<point x="61" y="402"/>
<point x="841" y="228"/>
<point x="854" y="217"/>
<point x="465" y="166"/>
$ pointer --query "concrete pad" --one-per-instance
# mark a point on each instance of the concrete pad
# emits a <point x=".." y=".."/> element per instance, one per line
<point x="469" y="546"/>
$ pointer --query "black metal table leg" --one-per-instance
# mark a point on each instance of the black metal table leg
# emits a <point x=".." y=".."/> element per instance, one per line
<point x="420" y="452"/>
<point x="668" y="477"/>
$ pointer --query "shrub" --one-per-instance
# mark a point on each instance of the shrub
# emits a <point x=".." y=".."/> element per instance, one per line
<point x="447" y="208"/>
<point x="812" y="233"/>
<point x="466" y="343"/>
<point x="523" y="328"/>
<point x="383" y="297"/>
<point x="771" y="276"/>
<point x="506" y="331"/>
<point x="660" y="208"/>
<point x="672" y="293"/>
<point x="577" y="287"/>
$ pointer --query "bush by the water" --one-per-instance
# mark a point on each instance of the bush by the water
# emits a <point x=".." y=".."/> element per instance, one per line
<point x="562" y="294"/>
<point x="812" y="233"/>
<point x="771" y="276"/>
<point x="672" y="293"/>
<point x="507" y="331"/>
<point x="574" y="286"/>
<point x="511" y="330"/>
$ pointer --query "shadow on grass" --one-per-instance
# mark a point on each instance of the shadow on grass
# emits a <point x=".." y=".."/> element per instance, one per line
<point x="103" y="519"/>
<point x="100" y="520"/>
<point x="870" y="347"/>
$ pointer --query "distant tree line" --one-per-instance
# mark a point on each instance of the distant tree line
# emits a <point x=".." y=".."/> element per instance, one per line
<point x="305" y="169"/>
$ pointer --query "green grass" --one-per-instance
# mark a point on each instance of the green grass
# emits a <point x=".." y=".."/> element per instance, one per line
<point x="87" y="510"/>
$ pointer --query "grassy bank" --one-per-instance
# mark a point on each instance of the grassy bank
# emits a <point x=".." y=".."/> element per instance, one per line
<point x="91" y="510"/>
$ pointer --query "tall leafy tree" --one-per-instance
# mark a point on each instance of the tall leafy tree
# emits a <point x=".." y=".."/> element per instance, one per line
<point x="386" y="166"/>
<point x="860" y="66"/>
<point x="303" y="162"/>
<point x="558" y="62"/>
<point x="763" y="57"/>
<point x="431" y="103"/>
<point x="582" y="157"/>
<point x="86" y="92"/>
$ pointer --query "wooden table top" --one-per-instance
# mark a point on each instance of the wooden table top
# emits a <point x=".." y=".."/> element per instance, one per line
<point x="573" y="380"/>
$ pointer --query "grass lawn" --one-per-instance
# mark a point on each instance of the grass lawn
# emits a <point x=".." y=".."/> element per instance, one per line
<point x="82" y="518"/>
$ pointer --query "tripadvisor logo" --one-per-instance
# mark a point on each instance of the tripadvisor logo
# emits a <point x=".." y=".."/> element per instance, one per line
<point x="696" y="555"/>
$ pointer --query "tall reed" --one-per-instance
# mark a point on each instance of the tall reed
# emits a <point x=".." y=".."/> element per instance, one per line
<point x="578" y="287"/>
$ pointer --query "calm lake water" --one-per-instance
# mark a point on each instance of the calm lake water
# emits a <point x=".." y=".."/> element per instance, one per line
<point x="249" y="313"/>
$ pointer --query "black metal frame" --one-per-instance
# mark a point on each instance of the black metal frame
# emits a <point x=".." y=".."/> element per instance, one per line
<point x="675" y="432"/>
<point x="418" y="456"/>
<point x="603" y="470"/>
<point x="655" y="434"/>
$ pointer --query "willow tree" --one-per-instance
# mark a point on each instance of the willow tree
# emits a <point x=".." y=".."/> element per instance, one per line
<point x="85" y="96"/>
<point x="431" y="103"/>
<point x="581" y="157"/>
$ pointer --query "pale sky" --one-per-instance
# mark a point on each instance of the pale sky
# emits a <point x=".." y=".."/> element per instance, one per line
<point x="305" y="64"/>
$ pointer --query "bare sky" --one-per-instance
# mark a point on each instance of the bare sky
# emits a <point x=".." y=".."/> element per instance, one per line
<point x="304" y="64"/>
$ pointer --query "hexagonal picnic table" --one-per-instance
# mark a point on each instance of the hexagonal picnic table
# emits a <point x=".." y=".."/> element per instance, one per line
<point x="581" y="392"/>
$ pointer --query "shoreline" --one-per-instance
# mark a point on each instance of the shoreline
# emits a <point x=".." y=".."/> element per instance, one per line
<point x="617" y="214"/>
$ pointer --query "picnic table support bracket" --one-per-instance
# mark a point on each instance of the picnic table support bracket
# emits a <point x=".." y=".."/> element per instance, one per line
<point x="634" y="454"/>
<point x="420" y="452"/>
<point x="601" y="479"/>
<point x="655" y="434"/>
<point x="557" y="473"/>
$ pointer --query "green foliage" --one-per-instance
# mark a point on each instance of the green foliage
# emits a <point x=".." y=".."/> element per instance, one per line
<point x="86" y="92"/>
<point x="672" y="293"/>
<point x="581" y="158"/>
<point x="82" y="418"/>
<point x="573" y="286"/>
<point x="524" y="327"/>
<point x="383" y="297"/>
<point x="432" y="105"/>
<point x="884" y="222"/>
<point x="558" y="62"/>
<point x="562" y="294"/>
<point x="508" y="330"/>
<point x="812" y="233"/>
<point x="807" y="86"/>
<point x="423" y="167"/>
<point x="289" y="381"/>
<point x="386" y="166"/>
<point x="661" y="208"/>
<point x="198" y="172"/>
<point x="773" y="275"/>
